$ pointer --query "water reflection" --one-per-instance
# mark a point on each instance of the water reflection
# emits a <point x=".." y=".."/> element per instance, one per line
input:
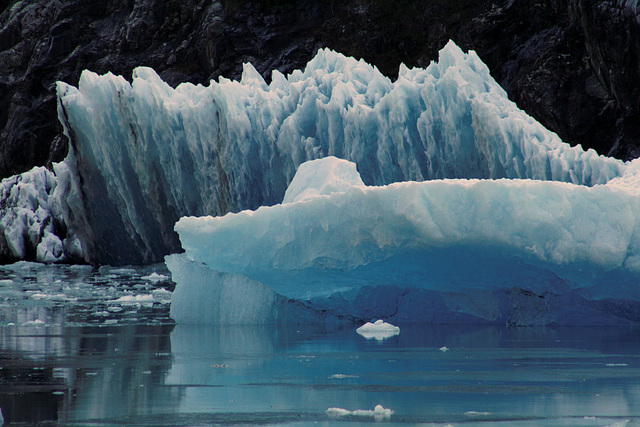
<point x="56" y="373"/>
<point x="184" y="375"/>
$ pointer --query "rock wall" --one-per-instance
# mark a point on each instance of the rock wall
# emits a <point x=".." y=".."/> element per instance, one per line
<point x="572" y="64"/>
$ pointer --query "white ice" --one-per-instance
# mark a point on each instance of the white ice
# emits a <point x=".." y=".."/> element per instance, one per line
<point x="378" y="330"/>
<point x="155" y="277"/>
<point x="379" y="413"/>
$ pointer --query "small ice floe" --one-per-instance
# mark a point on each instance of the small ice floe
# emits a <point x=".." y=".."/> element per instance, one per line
<point x="36" y="322"/>
<point x="162" y="296"/>
<point x="52" y="297"/>
<point x="155" y="277"/>
<point x="444" y="349"/>
<point x="379" y="413"/>
<point x="100" y="313"/>
<point x="342" y="376"/>
<point x="134" y="299"/>
<point x="477" y="414"/>
<point x="378" y="330"/>
<point x="616" y="364"/>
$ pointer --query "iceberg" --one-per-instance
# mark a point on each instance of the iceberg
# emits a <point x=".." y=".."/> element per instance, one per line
<point x="146" y="154"/>
<point x="378" y="330"/>
<point x="507" y="250"/>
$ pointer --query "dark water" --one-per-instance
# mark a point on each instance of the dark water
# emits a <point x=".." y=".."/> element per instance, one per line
<point x="61" y="363"/>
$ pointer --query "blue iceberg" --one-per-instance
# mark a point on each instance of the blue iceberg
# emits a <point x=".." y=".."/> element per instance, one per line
<point x="148" y="154"/>
<point x="516" y="251"/>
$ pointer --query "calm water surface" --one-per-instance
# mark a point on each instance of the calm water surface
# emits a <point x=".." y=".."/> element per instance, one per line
<point x="98" y="348"/>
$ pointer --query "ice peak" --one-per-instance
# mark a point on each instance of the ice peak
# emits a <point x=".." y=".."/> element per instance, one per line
<point x="251" y="76"/>
<point x="322" y="177"/>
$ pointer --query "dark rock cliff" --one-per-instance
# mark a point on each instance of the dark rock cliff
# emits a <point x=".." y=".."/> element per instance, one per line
<point x="572" y="64"/>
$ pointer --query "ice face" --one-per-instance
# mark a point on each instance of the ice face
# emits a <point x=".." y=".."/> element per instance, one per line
<point x="479" y="238"/>
<point x="149" y="154"/>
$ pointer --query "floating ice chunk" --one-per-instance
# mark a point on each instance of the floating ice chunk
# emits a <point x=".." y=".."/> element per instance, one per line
<point x="161" y="296"/>
<point x="444" y="349"/>
<point x="36" y="322"/>
<point x="133" y="299"/>
<point x="379" y="413"/>
<point x="342" y="376"/>
<point x="379" y="330"/>
<point x="155" y="277"/>
<point x="477" y="414"/>
<point x="418" y="234"/>
<point x="100" y="313"/>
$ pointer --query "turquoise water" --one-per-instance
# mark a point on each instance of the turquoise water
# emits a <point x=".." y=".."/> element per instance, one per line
<point x="178" y="375"/>
<point x="98" y="348"/>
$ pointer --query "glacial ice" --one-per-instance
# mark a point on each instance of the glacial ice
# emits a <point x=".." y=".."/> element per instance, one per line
<point x="32" y="220"/>
<point x="148" y="154"/>
<point x="478" y="244"/>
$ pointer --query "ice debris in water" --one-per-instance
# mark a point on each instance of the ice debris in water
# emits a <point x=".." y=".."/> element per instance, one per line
<point x="155" y="277"/>
<point x="379" y="413"/>
<point x="342" y="376"/>
<point x="378" y="330"/>
<point x="36" y="294"/>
